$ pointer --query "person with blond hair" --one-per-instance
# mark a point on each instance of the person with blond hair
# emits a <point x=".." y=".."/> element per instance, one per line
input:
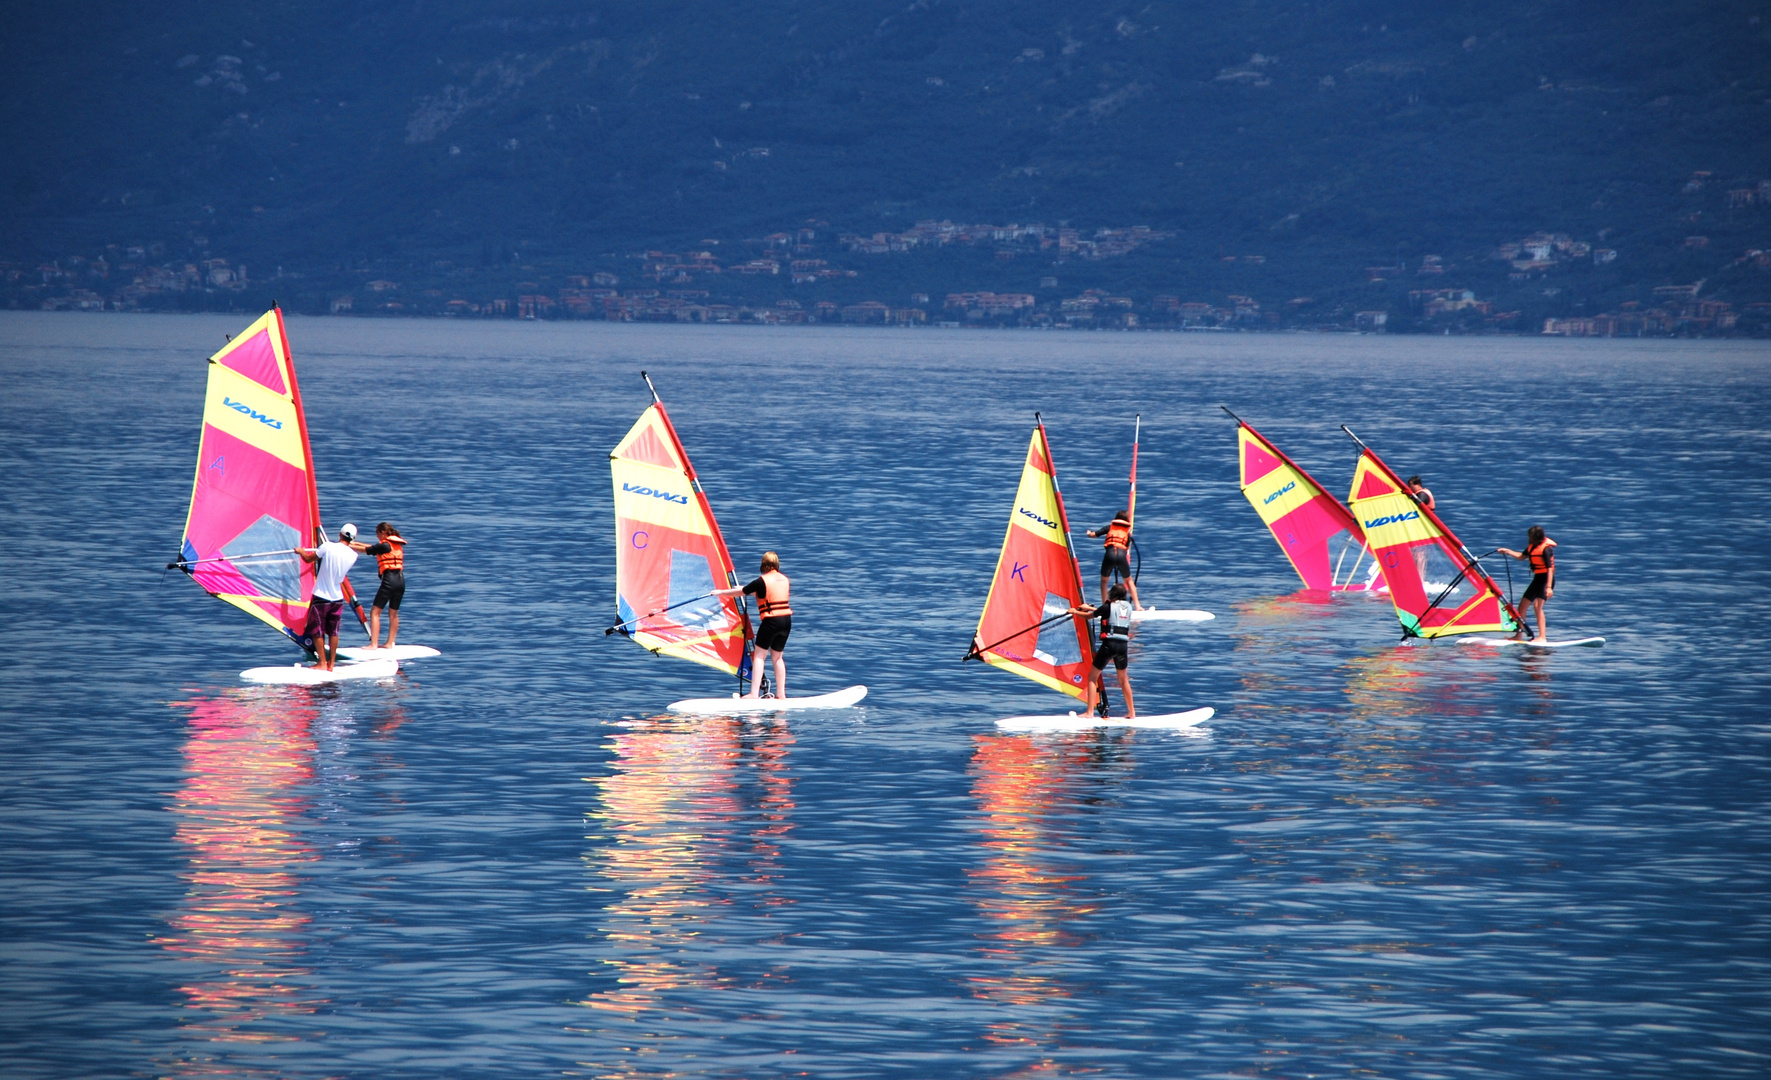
<point x="770" y="587"/>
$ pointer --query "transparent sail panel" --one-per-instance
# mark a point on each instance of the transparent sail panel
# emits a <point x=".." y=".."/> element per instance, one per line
<point x="1057" y="639"/>
<point x="690" y="577"/>
<point x="275" y="575"/>
<point x="1438" y="573"/>
<point x="1348" y="560"/>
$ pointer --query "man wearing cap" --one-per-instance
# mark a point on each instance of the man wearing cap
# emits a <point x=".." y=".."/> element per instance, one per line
<point x="323" y="612"/>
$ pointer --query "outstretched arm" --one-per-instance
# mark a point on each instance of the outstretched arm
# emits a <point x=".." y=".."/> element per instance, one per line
<point x="1509" y="553"/>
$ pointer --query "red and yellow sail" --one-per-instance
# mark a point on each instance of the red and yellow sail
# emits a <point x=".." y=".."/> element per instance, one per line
<point x="1313" y="528"/>
<point x="1037" y="578"/>
<point x="668" y="550"/>
<point x="254" y="497"/>
<point x="1438" y="587"/>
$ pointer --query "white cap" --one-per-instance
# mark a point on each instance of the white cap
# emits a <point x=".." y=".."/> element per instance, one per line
<point x="348" y="531"/>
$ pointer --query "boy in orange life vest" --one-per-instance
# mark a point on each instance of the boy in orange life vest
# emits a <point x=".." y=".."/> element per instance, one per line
<point x="1539" y="552"/>
<point x="770" y="588"/>
<point x="389" y="550"/>
<point x="1117" y="535"/>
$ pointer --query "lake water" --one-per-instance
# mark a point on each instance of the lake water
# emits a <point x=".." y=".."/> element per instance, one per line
<point x="1377" y="860"/>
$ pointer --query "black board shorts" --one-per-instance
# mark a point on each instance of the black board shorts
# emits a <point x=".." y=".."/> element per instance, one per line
<point x="1115" y="559"/>
<point x="772" y="632"/>
<point x="1110" y="649"/>
<point x="1540" y="584"/>
<point x="393" y="589"/>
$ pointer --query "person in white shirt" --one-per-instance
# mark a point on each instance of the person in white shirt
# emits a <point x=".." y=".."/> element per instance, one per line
<point x="327" y="606"/>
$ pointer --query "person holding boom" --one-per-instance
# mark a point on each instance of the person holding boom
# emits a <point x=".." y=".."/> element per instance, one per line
<point x="1540" y="553"/>
<point x="770" y="587"/>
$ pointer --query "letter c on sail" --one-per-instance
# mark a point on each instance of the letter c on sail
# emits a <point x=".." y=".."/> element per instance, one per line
<point x="641" y="538"/>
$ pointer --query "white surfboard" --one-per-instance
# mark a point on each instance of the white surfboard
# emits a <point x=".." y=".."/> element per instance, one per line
<point x="1083" y="722"/>
<point x="398" y="652"/>
<point x="1170" y="615"/>
<point x="734" y="705"/>
<point x="303" y="675"/>
<point x="1501" y="643"/>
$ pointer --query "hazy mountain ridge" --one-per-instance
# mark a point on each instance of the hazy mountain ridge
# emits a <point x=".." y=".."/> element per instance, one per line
<point x="1322" y="138"/>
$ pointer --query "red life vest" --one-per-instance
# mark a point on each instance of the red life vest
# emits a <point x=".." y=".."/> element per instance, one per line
<point x="1118" y="534"/>
<point x="1540" y="556"/>
<point x="773" y="602"/>
<point x="395" y="559"/>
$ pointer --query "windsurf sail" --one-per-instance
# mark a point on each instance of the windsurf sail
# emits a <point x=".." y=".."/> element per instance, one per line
<point x="1313" y="528"/>
<point x="254" y="498"/>
<point x="1024" y="627"/>
<point x="669" y="554"/>
<point x="1438" y="587"/>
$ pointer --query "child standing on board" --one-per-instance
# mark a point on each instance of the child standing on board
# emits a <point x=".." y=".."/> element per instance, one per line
<point x="1115" y="616"/>
<point x="1116" y="536"/>
<point x="327" y="605"/>
<point x="770" y="588"/>
<point x="389" y="550"/>
<point x="1540" y="553"/>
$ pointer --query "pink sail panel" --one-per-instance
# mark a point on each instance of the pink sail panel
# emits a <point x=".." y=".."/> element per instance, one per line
<point x="1315" y="531"/>
<point x="254" y="497"/>
<point x="1037" y="579"/>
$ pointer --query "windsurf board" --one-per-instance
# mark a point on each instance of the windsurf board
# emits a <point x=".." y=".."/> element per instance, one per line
<point x="1170" y="615"/>
<point x="1083" y="722"/>
<point x="303" y="675"/>
<point x="1501" y="643"/>
<point x="729" y="706"/>
<point x="398" y="652"/>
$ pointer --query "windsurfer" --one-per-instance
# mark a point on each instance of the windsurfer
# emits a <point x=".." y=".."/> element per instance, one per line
<point x="1115" y="616"/>
<point x="770" y="587"/>
<point x="1417" y="490"/>
<point x="327" y="606"/>
<point x="1540" y="553"/>
<point x="389" y="550"/>
<point x="1116" y="538"/>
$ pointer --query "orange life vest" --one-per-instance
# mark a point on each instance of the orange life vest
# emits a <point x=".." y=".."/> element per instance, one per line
<point x="395" y="559"/>
<point x="1540" y="556"/>
<point x="1118" y="534"/>
<point x="773" y="602"/>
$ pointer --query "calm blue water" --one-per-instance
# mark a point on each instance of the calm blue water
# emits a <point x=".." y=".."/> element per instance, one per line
<point x="1380" y="860"/>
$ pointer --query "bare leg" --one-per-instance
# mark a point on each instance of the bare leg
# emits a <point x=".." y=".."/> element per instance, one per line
<point x="375" y="628"/>
<point x="393" y="625"/>
<point x="1103" y="590"/>
<point x="330" y="660"/>
<point x="1132" y="587"/>
<point x="1094" y="677"/>
<point x="1543" y="632"/>
<point x="1125" y="687"/>
<point x="758" y="657"/>
<point x="780" y="674"/>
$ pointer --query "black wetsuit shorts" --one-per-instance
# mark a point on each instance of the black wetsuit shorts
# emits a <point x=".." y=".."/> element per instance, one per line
<point x="1114" y="558"/>
<point x="1111" y="650"/>
<point x="772" y="632"/>
<point x="1540" y="584"/>
<point x="393" y="589"/>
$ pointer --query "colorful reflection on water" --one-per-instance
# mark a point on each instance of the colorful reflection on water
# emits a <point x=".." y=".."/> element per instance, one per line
<point x="690" y="821"/>
<point x="249" y="764"/>
<point x="1035" y="898"/>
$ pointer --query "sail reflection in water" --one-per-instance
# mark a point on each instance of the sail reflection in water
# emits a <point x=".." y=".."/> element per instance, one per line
<point x="689" y="826"/>
<point x="249" y="762"/>
<point x="1030" y="892"/>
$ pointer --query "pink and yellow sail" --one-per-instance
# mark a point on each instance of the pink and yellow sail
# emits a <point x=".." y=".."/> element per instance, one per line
<point x="1023" y="627"/>
<point x="669" y="554"/>
<point x="1313" y="528"/>
<point x="254" y="497"/>
<point x="1438" y="587"/>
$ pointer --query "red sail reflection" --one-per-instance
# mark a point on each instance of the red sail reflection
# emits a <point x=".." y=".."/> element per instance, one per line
<point x="248" y="761"/>
<point x="1024" y="788"/>
<point x="691" y="817"/>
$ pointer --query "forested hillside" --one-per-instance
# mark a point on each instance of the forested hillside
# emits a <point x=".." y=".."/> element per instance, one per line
<point x="1292" y="163"/>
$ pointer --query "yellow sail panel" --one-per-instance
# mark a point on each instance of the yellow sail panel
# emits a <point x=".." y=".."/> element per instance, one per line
<point x="669" y="554"/>
<point x="1436" y="584"/>
<point x="247" y="411"/>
